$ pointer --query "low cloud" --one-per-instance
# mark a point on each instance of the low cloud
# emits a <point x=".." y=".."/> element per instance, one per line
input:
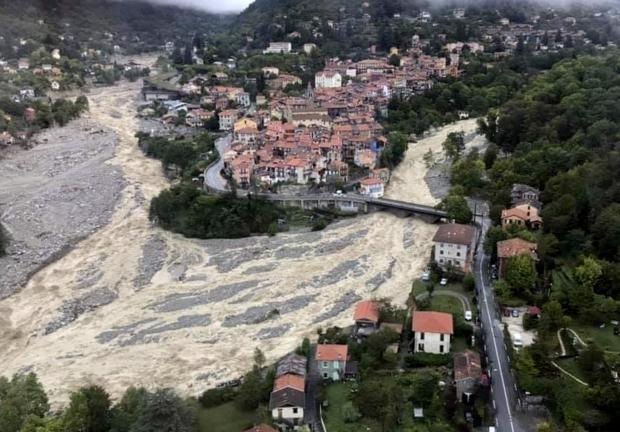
<point x="216" y="6"/>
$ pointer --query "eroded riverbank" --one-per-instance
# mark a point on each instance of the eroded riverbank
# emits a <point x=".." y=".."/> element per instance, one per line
<point x="187" y="313"/>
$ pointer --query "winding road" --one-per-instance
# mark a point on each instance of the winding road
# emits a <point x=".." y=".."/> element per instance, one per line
<point x="213" y="174"/>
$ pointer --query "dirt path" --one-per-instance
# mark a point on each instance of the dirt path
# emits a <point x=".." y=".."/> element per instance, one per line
<point x="134" y="305"/>
<point x="568" y="374"/>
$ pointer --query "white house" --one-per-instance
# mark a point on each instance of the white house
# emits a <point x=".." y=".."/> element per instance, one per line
<point x="454" y="246"/>
<point x="372" y="187"/>
<point x="228" y="119"/>
<point x="288" y="399"/>
<point x="432" y="332"/>
<point x="328" y="79"/>
<point x="243" y="99"/>
<point x="279" y="48"/>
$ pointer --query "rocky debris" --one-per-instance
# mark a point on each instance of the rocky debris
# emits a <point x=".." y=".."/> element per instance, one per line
<point x="71" y="310"/>
<point x="379" y="279"/>
<point x="54" y="195"/>
<point x="200" y="277"/>
<point x="153" y="333"/>
<point x="337" y="245"/>
<point x="273" y="332"/>
<point x="261" y="268"/>
<point x="154" y="253"/>
<point x="409" y="237"/>
<point x="182" y="301"/>
<point x="89" y="276"/>
<point x="230" y="260"/>
<point x="438" y="180"/>
<point x="351" y="268"/>
<point x="117" y="331"/>
<point x="341" y="305"/>
<point x="258" y="314"/>
<point x="177" y="270"/>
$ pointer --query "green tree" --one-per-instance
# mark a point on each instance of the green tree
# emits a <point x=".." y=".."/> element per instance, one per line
<point x="165" y="411"/>
<point x="457" y="208"/>
<point x="606" y="232"/>
<point x="382" y="401"/>
<point x="21" y="397"/>
<point x="454" y="144"/>
<point x="89" y="411"/>
<point x="127" y="410"/>
<point x="521" y="275"/>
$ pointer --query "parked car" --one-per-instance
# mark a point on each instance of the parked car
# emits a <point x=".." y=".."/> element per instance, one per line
<point x="468" y="315"/>
<point x="426" y="276"/>
<point x="517" y="342"/>
<point x="338" y="193"/>
<point x="515" y="313"/>
<point x="443" y="281"/>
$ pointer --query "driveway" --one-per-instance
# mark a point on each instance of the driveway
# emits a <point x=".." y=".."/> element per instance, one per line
<point x="463" y="298"/>
<point x="311" y="412"/>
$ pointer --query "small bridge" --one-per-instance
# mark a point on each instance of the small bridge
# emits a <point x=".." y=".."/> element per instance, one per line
<point x="355" y="203"/>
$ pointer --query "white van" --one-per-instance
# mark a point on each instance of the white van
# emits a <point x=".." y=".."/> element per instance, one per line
<point x="517" y="342"/>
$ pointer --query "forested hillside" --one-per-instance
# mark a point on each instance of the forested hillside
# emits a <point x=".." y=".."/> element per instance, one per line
<point x="562" y="135"/>
<point x="73" y="24"/>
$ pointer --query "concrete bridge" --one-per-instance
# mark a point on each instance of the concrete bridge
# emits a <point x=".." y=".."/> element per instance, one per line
<point x="355" y="203"/>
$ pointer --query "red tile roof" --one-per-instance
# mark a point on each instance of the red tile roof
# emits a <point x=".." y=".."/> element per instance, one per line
<point x="432" y="322"/>
<point x="289" y="381"/>
<point x="514" y="247"/>
<point x="455" y="233"/>
<point x="367" y="311"/>
<point x="329" y="352"/>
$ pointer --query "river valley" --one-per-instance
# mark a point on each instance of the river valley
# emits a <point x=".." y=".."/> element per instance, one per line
<point x="132" y="304"/>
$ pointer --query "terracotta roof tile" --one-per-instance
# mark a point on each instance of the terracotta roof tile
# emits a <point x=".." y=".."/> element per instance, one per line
<point x="432" y="322"/>
<point x="331" y="352"/>
<point x="514" y="247"/>
<point x="455" y="233"/>
<point x="367" y="311"/>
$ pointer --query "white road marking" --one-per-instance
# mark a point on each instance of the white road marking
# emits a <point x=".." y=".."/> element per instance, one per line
<point x="501" y="374"/>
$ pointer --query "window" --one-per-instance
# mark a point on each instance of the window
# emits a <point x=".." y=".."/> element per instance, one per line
<point x="458" y="254"/>
<point x="441" y="260"/>
<point x="441" y="244"/>
<point x="325" y="364"/>
<point x="441" y="348"/>
<point x="421" y="347"/>
<point x="422" y="336"/>
<point x="441" y="252"/>
<point x="325" y="375"/>
<point x="295" y="410"/>
<point x="441" y="337"/>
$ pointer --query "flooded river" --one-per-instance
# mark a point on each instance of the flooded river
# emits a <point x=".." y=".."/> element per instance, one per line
<point x="135" y="305"/>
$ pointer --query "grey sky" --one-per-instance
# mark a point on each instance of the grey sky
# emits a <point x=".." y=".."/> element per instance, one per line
<point x="210" y="5"/>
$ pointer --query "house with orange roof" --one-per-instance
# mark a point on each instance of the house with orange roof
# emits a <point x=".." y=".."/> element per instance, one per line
<point x="332" y="360"/>
<point x="372" y="187"/>
<point x="432" y="331"/>
<point x="288" y="396"/>
<point x="507" y="249"/>
<point x="366" y="317"/>
<point x="524" y="215"/>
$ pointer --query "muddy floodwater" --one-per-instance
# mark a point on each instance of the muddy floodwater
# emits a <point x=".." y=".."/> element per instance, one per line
<point x="132" y="304"/>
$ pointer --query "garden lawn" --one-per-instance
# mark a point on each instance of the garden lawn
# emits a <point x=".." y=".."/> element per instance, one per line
<point x="339" y="401"/>
<point x="604" y="337"/>
<point x="225" y="418"/>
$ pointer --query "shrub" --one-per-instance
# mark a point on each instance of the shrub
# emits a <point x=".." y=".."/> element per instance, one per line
<point x="217" y="396"/>
<point x="469" y="282"/>
<point x="427" y="359"/>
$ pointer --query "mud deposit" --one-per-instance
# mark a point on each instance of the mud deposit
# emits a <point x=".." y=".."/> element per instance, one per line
<point x="157" y="309"/>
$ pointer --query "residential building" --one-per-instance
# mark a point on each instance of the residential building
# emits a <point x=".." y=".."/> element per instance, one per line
<point x="507" y="249"/>
<point x="243" y="99"/>
<point x="332" y="361"/>
<point x="287" y="400"/>
<point x="228" y="119"/>
<point x="432" y="332"/>
<point x="327" y="79"/>
<point x="309" y="47"/>
<point x="373" y="187"/>
<point x="270" y="71"/>
<point x="26" y="93"/>
<point x="467" y="372"/>
<point x="524" y="194"/>
<point x="366" y="318"/>
<point x="454" y="246"/>
<point x="278" y="48"/>
<point x="292" y="364"/>
<point x="524" y="215"/>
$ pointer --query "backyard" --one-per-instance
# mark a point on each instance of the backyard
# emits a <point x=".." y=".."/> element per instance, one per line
<point x="225" y="418"/>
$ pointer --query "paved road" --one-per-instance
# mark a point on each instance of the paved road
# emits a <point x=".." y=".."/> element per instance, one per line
<point x="213" y="177"/>
<point x="503" y="388"/>
<point x="311" y="413"/>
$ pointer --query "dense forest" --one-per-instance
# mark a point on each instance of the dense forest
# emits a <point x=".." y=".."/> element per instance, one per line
<point x="561" y="134"/>
<point x="136" y="26"/>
